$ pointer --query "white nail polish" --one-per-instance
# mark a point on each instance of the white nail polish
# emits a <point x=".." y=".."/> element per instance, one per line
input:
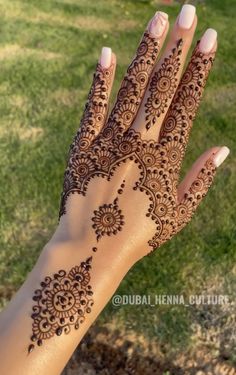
<point x="186" y="16"/>
<point x="221" y="155"/>
<point x="158" y="24"/>
<point x="207" y="41"/>
<point x="105" y="59"/>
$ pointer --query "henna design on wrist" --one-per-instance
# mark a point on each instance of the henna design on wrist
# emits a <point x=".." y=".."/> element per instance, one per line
<point x="62" y="302"/>
<point x="163" y="85"/>
<point x="159" y="162"/>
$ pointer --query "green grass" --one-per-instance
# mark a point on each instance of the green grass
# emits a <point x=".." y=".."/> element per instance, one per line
<point x="48" y="51"/>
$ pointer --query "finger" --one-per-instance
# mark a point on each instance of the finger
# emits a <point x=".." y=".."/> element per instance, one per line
<point x="166" y="75"/>
<point x="180" y="116"/>
<point x="197" y="182"/>
<point x="136" y="79"/>
<point x="96" y="108"/>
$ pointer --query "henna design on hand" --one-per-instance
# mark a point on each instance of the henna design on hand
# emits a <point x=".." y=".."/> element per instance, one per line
<point x="159" y="162"/>
<point x="63" y="301"/>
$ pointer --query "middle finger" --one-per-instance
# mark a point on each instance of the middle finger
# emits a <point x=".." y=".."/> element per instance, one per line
<point x="166" y="75"/>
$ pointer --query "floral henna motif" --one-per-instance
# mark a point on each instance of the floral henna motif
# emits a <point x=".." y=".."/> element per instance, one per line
<point x="163" y="85"/>
<point x="108" y="219"/>
<point x="159" y="162"/>
<point x="62" y="302"/>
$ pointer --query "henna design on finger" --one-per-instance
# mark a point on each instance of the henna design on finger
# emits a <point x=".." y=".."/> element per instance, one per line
<point x="134" y="84"/>
<point x="186" y="101"/>
<point x="162" y="86"/>
<point x="62" y="302"/>
<point x="96" y="108"/>
<point x="196" y="192"/>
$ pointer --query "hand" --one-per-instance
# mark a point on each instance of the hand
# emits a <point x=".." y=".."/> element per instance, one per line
<point x="121" y="187"/>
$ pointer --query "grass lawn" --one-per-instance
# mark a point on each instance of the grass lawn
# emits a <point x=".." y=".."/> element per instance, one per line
<point x="48" y="51"/>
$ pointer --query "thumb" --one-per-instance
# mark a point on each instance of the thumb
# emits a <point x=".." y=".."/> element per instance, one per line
<point x="197" y="182"/>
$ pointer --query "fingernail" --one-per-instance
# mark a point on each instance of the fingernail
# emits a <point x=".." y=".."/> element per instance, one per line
<point x="186" y="16"/>
<point x="105" y="59"/>
<point x="221" y="155"/>
<point x="158" y="24"/>
<point x="207" y="41"/>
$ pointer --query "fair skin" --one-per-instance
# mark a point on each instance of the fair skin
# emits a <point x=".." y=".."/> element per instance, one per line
<point x="120" y="246"/>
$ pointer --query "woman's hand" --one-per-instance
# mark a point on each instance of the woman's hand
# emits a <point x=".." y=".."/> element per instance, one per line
<point x="121" y="189"/>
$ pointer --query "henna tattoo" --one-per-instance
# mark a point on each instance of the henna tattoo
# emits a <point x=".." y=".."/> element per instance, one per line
<point x="197" y="191"/>
<point x="159" y="162"/>
<point x="63" y="301"/>
<point x="108" y="219"/>
<point x="163" y="85"/>
<point x="134" y="84"/>
<point x="95" y="111"/>
<point x="184" y="106"/>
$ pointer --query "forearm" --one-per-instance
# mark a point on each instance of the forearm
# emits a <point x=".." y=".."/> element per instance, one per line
<point x="18" y="352"/>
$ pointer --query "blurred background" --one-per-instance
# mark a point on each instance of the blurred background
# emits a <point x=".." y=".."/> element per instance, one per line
<point x="48" y="52"/>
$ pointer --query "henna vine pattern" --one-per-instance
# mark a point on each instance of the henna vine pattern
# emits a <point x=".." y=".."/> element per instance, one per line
<point x="108" y="219"/>
<point x="62" y="302"/>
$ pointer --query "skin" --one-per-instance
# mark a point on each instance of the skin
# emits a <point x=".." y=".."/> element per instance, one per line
<point x="74" y="238"/>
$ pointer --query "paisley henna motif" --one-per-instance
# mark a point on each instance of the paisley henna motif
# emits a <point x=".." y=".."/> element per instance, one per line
<point x="159" y="162"/>
<point x="62" y="302"/>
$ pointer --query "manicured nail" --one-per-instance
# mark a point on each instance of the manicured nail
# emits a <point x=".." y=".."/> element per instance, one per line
<point x="158" y="24"/>
<point x="105" y="59"/>
<point x="186" y="16"/>
<point x="221" y="155"/>
<point x="207" y="41"/>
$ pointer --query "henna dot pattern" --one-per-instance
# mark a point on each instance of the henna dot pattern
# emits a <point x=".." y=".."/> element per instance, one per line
<point x="62" y="302"/>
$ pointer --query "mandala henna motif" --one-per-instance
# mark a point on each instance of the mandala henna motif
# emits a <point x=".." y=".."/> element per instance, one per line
<point x="108" y="219"/>
<point x="62" y="302"/>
